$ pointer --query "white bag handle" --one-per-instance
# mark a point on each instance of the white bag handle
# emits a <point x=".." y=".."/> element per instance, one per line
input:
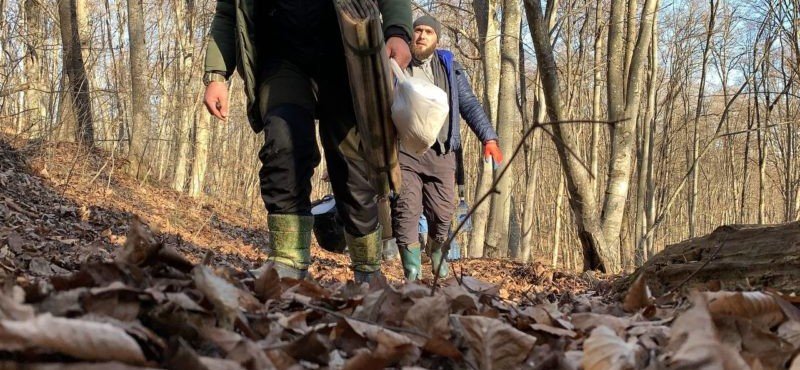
<point x="399" y="74"/>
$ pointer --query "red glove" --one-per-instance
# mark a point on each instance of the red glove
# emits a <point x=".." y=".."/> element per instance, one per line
<point x="490" y="149"/>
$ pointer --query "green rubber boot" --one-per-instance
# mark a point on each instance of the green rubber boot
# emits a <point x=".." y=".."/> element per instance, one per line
<point x="365" y="255"/>
<point x="412" y="261"/>
<point x="290" y="237"/>
<point x="434" y="250"/>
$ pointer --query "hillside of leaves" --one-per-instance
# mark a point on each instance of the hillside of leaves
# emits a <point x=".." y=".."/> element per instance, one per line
<point x="87" y="284"/>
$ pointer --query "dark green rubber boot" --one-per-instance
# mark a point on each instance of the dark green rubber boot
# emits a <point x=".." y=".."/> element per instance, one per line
<point x="290" y="240"/>
<point x="365" y="255"/>
<point x="412" y="261"/>
<point x="434" y="250"/>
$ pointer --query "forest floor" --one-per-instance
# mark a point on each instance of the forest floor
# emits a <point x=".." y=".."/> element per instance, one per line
<point x="102" y="271"/>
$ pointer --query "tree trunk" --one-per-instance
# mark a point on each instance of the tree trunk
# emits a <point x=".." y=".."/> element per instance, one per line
<point x="698" y="111"/>
<point x="77" y="85"/>
<point x="622" y="107"/>
<point x="140" y="124"/>
<point x="187" y="100"/>
<point x="645" y="161"/>
<point x="557" y="224"/>
<point x="583" y="200"/>
<point x="738" y="256"/>
<point x="200" y="161"/>
<point x="488" y="30"/>
<point x="497" y="241"/>
<point x="34" y="97"/>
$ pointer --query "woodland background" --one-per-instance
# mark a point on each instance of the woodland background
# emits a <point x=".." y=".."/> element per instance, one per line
<point x="674" y="116"/>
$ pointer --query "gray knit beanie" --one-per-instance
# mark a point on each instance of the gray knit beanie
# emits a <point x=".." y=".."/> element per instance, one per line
<point x="431" y="22"/>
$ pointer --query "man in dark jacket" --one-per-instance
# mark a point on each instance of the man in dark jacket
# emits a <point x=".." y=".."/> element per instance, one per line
<point x="291" y="57"/>
<point x="429" y="179"/>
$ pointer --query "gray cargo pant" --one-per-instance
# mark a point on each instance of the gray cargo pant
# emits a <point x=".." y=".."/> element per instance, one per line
<point x="428" y="186"/>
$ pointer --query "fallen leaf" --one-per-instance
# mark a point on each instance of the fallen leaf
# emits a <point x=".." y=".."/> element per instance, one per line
<point x="391" y="345"/>
<point x="604" y="350"/>
<point x="140" y="244"/>
<point x="429" y="315"/>
<point x="221" y="293"/>
<point x="494" y="344"/>
<point x="638" y="295"/>
<point x="81" y="339"/>
<point x="6" y="365"/>
<point x="790" y="332"/>
<point x="795" y="363"/>
<point x="759" y="307"/>
<point x="268" y="285"/>
<point x="220" y="364"/>
<point x="480" y="287"/>
<point x="586" y="322"/>
<point x="696" y="344"/>
<point x="559" y="332"/>
<point x="12" y="306"/>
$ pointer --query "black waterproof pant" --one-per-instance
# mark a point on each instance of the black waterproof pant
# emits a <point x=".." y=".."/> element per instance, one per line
<point x="303" y="76"/>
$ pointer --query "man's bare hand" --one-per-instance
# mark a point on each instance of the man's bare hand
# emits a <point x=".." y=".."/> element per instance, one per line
<point x="216" y="100"/>
<point x="397" y="48"/>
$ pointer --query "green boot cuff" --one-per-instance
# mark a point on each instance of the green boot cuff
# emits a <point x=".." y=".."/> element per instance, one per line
<point x="365" y="251"/>
<point x="290" y="237"/>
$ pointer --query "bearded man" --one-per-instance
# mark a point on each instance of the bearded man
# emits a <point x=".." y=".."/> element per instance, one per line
<point x="429" y="179"/>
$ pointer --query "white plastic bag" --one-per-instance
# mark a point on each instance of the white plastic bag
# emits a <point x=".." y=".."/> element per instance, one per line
<point x="418" y="111"/>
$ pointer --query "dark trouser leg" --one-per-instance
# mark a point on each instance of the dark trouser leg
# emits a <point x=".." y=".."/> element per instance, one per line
<point x="439" y="203"/>
<point x="406" y="212"/>
<point x="347" y="168"/>
<point x="288" y="158"/>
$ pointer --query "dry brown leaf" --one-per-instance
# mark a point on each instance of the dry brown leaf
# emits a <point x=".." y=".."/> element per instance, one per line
<point x="754" y="342"/>
<point x="696" y="344"/>
<point x="429" y="315"/>
<point x="220" y="364"/>
<point x="586" y="322"/>
<point x="140" y="244"/>
<point x="604" y="350"/>
<point x="237" y="348"/>
<point x="790" y="332"/>
<point x="638" y="295"/>
<point x="795" y="363"/>
<point x="12" y="306"/>
<point x="7" y="365"/>
<point x="221" y="293"/>
<point x="479" y="287"/>
<point x="553" y="330"/>
<point x="759" y="307"/>
<point x="268" y="285"/>
<point x="494" y="344"/>
<point x="391" y="345"/>
<point x="81" y="339"/>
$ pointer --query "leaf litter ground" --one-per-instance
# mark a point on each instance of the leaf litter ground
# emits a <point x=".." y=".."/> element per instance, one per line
<point x="88" y="285"/>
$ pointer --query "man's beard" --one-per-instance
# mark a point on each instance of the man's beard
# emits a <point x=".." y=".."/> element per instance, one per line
<point x="422" y="52"/>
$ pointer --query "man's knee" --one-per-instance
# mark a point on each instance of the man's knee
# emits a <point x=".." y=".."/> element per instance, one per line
<point x="289" y="131"/>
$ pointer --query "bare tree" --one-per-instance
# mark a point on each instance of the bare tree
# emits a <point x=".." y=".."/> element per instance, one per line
<point x="75" y="73"/>
<point x="140" y="124"/>
<point x="508" y="124"/>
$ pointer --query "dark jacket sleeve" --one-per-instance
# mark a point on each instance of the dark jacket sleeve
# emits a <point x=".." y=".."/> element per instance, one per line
<point x="471" y="109"/>
<point x="396" y="18"/>
<point x="221" y="52"/>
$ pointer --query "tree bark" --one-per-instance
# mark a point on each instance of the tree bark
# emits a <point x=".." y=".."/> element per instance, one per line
<point x="623" y="133"/>
<point x="140" y="124"/>
<point x="186" y="101"/>
<point x="698" y="111"/>
<point x="488" y="31"/>
<point x="508" y="124"/>
<point x="738" y="256"/>
<point x="77" y="85"/>
<point x="583" y="200"/>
